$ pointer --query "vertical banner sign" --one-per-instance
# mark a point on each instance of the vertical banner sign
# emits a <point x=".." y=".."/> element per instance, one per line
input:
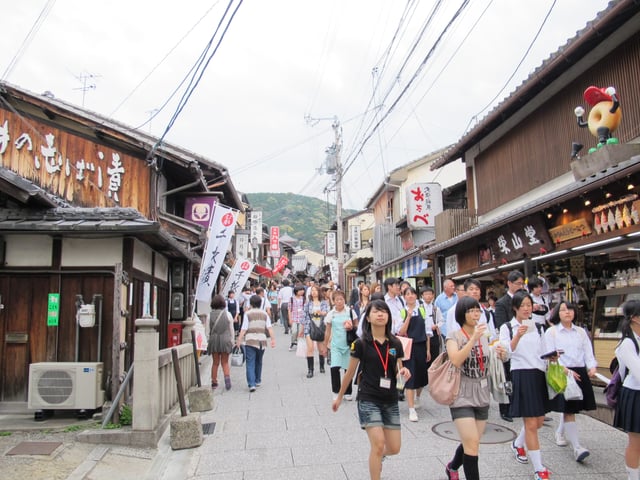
<point x="354" y="237"/>
<point x="242" y="245"/>
<point x="256" y="226"/>
<point x="330" y="247"/>
<point x="424" y="202"/>
<point x="221" y="230"/>
<point x="53" y="309"/>
<point x="274" y="242"/>
<point x="238" y="277"/>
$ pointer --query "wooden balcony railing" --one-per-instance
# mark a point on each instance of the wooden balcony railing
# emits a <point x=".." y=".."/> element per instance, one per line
<point x="453" y="222"/>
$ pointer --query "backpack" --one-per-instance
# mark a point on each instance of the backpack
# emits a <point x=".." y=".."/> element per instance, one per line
<point x="612" y="390"/>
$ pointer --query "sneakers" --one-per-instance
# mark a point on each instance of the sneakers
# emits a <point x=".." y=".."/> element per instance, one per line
<point x="561" y="441"/>
<point x="334" y="396"/>
<point x="214" y="384"/>
<point x="580" y="454"/>
<point x="348" y="397"/>
<point x="252" y="389"/>
<point x="542" y="475"/>
<point x="520" y="454"/>
<point x="413" y="416"/>
<point x="292" y="347"/>
<point x="227" y="383"/>
<point x="451" y="474"/>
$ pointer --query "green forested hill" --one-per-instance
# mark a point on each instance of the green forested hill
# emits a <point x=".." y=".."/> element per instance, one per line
<point x="303" y="218"/>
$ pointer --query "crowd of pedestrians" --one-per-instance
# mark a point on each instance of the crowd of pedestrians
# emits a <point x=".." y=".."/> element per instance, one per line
<point x="380" y="346"/>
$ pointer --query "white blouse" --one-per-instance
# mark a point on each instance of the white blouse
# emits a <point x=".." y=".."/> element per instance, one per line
<point x="628" y="358"/>
<point x="578" y="351"/>
<point x="531" y="345"/>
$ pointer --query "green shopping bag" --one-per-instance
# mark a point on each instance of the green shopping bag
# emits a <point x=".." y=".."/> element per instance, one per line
<point x="556" y="377"/>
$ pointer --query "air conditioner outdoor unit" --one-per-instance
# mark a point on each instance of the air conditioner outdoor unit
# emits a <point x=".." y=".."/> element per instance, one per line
<point x="65" y="386"/>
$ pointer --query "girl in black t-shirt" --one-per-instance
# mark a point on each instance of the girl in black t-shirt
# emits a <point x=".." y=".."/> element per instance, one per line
<point x="379" y="355"/>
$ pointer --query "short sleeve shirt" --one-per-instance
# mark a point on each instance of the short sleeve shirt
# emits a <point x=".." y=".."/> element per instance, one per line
<point x="372" y="368"/>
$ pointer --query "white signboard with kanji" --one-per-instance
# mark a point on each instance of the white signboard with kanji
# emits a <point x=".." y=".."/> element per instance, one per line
<point x="424" y="202"/>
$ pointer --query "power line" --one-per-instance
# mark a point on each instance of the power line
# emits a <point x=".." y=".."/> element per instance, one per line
<point x="199" y="72"/>
<point x="130" y="94"/>
<point x="544" y="21"/>
<point x="27" y="40"/>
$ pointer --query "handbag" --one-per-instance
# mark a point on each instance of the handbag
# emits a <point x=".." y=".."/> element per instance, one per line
<point x="352" y="335"/>
<point x="316" y="332"/>
<point x="444" y="380"/>
<point x="237" y="357"/>
<point x="407" y="343"/>
<point x="573" y="390"/>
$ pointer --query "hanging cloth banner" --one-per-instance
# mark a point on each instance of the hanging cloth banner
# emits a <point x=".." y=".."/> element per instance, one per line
<point x="238" y="277"/>
<point x="221" y="229"/>
<point x="281" y="264"/>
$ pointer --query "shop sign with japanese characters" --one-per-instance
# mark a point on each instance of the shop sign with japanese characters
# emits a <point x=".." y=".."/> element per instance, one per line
<point x="330" y="247"/>
<point x="255" y="221"/>
<point x="424" y="202"/>
<point x="82" y="172"/>
<point x="274" y="242"/>
<point x="528" y="235"/>
<point x="354" y="238"/>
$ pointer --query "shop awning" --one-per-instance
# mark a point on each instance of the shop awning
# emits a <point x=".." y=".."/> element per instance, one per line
<point x="363" y="253"/>
<point x="414" y="266"/>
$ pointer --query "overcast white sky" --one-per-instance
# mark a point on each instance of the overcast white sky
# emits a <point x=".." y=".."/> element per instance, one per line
<point x="283" y="60"/>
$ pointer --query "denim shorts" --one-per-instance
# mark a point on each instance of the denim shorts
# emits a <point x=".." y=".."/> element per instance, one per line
<point x="386" y="415"/>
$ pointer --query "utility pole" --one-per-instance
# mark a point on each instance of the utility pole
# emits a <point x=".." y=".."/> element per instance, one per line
<point x="333" y="166"/>
<point x="337" y="150"/>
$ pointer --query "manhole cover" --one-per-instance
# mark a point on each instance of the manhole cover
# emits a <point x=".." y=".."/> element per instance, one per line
<point x="34" y="448"/>
<point x="492" y="433"/>
<point x="208" y="428"/>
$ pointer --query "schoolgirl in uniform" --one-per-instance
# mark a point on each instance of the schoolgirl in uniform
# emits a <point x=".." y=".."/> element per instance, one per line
<point x="578" y="359"/>
<point x="468" y="349"/>
<point x="627" y="415"/>
<point x="530" y="399"/>
<point x="379" y="354"/>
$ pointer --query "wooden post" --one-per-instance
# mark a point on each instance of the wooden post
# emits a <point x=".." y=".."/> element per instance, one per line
<point x="196" y="357"/>
<point x="176" y="371"/>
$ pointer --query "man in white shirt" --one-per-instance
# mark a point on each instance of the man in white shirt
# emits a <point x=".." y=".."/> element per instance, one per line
<point x="285" y="294"/>
<point x="445" y="301"/>
<point x="394" y="301"/>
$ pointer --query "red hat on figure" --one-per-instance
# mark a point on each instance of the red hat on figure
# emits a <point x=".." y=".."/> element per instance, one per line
<point x="594" y="95"/>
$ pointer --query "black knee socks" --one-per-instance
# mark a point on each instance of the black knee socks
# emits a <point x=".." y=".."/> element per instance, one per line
<point x="310" y="363"/>
<point x="458" y="458"/>
<point x="321" y="360"/>
<point x="470" y="465"/>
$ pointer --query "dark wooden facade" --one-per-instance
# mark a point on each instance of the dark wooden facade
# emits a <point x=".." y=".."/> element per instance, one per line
<point x="93" y="211"/>
<point x="519" y="163"/>
<point x="537" y="150"/>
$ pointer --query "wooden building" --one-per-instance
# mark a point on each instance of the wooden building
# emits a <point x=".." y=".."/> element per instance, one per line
<point x="569" y="219"/>
<point x="92" y="212"/>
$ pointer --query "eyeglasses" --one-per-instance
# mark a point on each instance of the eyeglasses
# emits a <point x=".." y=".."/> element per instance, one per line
<point x="473" y="310"/>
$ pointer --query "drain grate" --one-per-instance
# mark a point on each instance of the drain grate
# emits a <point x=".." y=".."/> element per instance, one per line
<point x="493" y="433"/>
<point x="208" y="428"/>
<point x="34" y="448"/>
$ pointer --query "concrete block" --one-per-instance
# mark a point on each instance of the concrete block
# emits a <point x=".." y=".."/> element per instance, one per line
<point x="200" y="399"/>
<point x="186" y="432"/>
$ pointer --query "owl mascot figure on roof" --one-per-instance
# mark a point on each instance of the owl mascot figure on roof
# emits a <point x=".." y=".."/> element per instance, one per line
<point x="604" y="117"/>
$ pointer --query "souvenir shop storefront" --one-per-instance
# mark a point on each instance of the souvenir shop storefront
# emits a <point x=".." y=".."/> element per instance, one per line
<point x="412" y="267"/>
<point x="583" y="241"/>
